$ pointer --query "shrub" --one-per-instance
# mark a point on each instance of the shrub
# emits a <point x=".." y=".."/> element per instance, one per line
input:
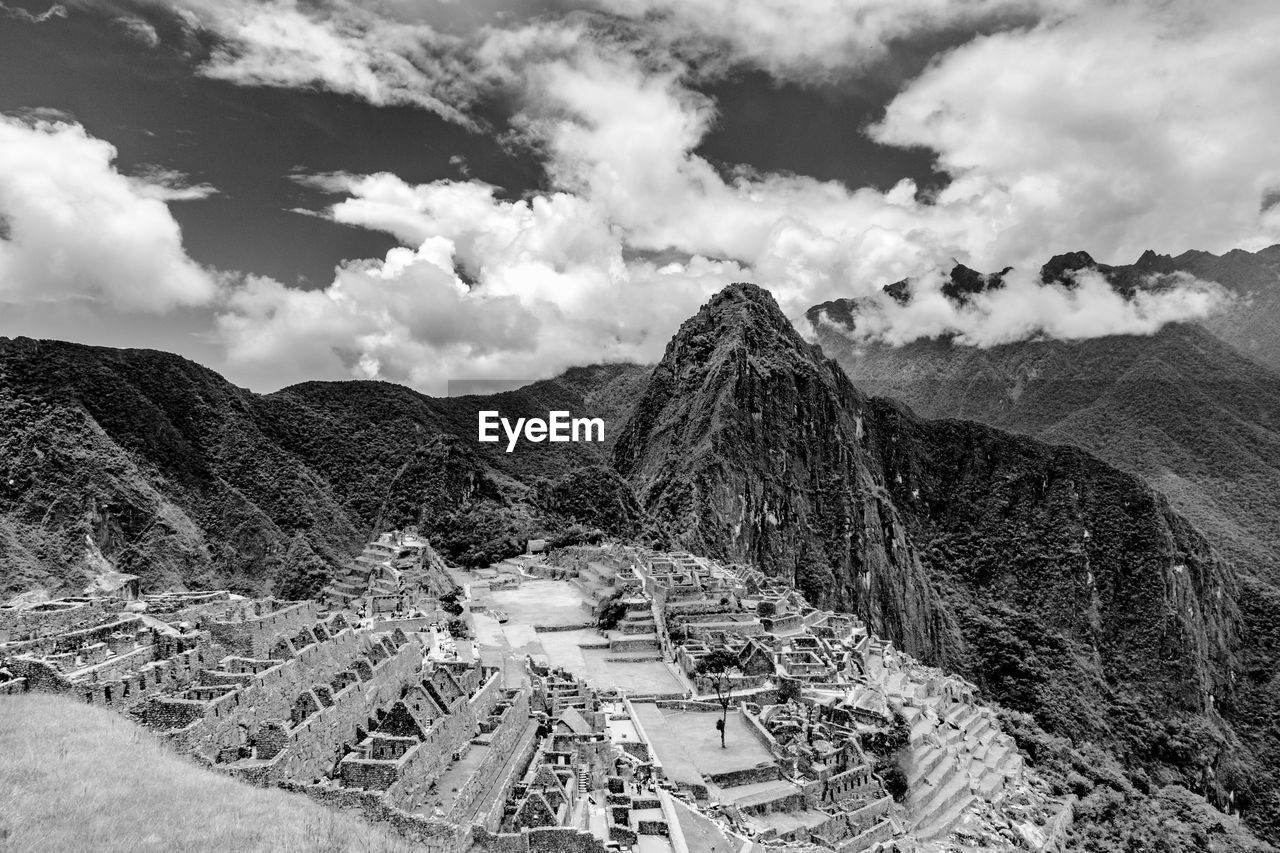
<point x="611" y="612"/>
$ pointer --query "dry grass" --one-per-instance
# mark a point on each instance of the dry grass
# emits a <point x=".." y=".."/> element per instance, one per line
<point x="74" y="777"/>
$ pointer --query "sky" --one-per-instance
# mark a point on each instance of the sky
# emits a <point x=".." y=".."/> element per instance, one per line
<point x="425" y="191"/>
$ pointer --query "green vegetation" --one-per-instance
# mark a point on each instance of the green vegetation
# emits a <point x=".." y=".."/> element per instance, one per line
<point x="1121" y="810"/>
<point x="789" y="690"/>
<point x="612" y="609"/>
<point x="75" y="777"/>
<point x="186" y="480"/>
<point x="885" y="749"/>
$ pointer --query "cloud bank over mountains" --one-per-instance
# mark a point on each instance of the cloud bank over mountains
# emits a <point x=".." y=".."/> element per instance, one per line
<point x="1024" y="308"/>
<point x="1085" y="125"/>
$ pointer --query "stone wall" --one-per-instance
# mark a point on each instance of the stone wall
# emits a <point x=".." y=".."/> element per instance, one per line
<point x="547" y="839"/>
<point x="502" y="742"/>
<point x="78" y="638"/>
<point x="11" y="686"/>
<point x="178" y="606"/>
<point x="317" y="742"/>
<point x="491" y="818"/>
<point x="120" y="687"/>
<point x="433" y="836"/>
<point x="53" y="617"/>
<point x="256" y="636"/>
<point x="868" y="838"/>
<point x="208" y="727"/>
<point x="427" y="761"/>
<point x="406" y="781"/>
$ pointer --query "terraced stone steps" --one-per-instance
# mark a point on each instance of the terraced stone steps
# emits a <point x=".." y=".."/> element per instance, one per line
<point x="764" y="797"/>
<point x="943" y="814"/>
<point x="622" y="642"/>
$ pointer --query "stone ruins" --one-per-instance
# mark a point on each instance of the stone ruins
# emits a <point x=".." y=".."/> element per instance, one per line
<point x="487" y="711"/>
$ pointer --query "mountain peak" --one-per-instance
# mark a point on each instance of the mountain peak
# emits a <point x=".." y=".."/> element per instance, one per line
<point x="743" y="291"/>
<point x="741" y="317"/>
<point x="1059" y="266"/>
<point x="742" y="303"/>
<point x="1151" y="259"/>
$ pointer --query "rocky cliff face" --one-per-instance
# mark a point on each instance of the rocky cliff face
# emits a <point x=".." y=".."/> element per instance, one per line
<point x="1062" y="586"/>
<point x="747" y="445"/>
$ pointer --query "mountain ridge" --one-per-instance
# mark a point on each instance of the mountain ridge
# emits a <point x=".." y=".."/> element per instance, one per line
<point x="160" y="466"/>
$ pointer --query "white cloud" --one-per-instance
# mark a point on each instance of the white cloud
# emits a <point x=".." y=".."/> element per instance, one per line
<point x="812" y="40"/>
<point x="1024" y="308"/>
<point x="165" y="184"/>
<point x="139" y="29"/>
<point x="1133" y="126"/>
<point x="568" y="276"/>
<point x="76" y="229"/>
<point x="555" y="293"/>
<point x="1089" y="125"/>
<point x="56" y="10"/>
<point x="336" y="45"/>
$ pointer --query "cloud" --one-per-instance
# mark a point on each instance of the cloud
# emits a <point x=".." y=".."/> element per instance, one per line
<point x="1024" y="308"/>
<point x="77" y="230"/>
<point x="139" y="29"/>
<point x="1133" y="126"/>
<point x="572" y="275"/>
<point x="1087" y="125"/>
<point x="335" y="45"/>
<point x="621" y="131"/>
<point x="32" y="115"/>
<point x="57" y="10"/>
<point x="554" y="291"/>
<point x="165" y="184"/>
<point x="812" y="40"/>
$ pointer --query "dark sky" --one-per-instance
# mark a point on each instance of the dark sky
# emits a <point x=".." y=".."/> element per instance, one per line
<point x="153" y="107"/>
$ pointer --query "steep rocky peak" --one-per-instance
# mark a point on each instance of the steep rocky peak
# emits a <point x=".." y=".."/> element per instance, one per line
<point x="1152" y="261"/>
<point x="1059" y="266"/>
<point x="741" y="320"/>
<point x="840" y="312"/>
<point x="963" y="282"/>
<point x="736" y="378"/>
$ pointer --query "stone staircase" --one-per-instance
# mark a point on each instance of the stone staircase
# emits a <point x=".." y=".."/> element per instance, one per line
<point x="757" y="798"/>
<point x="566" y="694"/>
<point x="636" y="632"/>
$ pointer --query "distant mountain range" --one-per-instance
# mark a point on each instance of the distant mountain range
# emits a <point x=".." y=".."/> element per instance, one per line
<point x="162" y="468"/>
<point x="1193" y="409"/>
<point x="1127" y="646"/>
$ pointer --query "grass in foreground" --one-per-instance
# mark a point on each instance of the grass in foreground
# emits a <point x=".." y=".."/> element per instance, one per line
<point x="74" y="777"/>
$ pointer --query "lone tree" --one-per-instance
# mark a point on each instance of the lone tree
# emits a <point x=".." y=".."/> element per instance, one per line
<point x="717" y="666"/>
